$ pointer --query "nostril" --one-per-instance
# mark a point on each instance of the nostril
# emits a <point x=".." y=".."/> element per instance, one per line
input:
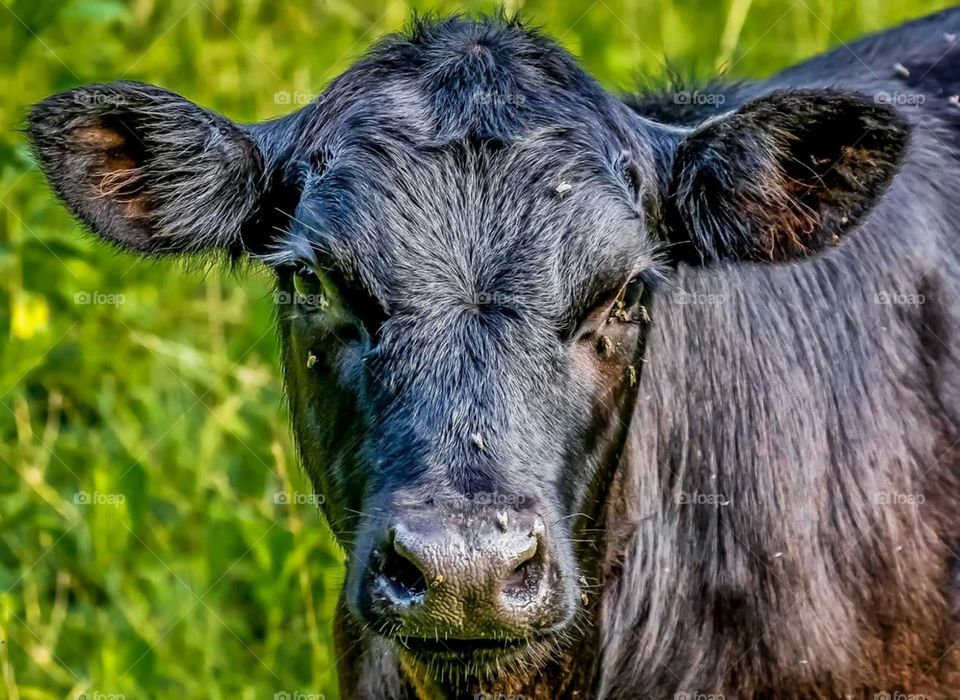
<point x="403" y="576"/>
<point x="523" y="580"/>
<point x="516" y="578"/>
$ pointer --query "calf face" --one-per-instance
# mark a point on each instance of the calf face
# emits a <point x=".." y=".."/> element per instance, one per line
<point x="466" y="233"/>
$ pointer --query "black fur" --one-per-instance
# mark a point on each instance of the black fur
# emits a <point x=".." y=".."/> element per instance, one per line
<point x="474" y="205"/>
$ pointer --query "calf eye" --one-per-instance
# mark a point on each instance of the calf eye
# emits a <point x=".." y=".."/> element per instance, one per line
<point x="311" y="291"/>
<point x="628" y="306"/>
<point x="339" y="301"/>
<point x="632" y="293"/>
<point x="624" y="303"/>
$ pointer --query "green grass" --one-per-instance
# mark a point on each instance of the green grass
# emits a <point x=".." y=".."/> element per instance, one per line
<point x="198" y="585"/>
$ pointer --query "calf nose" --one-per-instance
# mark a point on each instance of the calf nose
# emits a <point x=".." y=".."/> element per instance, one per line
<point x="465" y="576"/>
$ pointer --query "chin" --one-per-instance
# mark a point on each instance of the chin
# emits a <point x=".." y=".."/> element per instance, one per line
<point x="464" y="660"/>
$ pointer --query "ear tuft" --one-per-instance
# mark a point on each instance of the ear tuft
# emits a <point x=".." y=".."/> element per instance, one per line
<point x="147" y="169"/>
<point x="785" y="176"/>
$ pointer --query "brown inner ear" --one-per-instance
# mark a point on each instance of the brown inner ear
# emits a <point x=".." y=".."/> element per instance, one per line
<point x="116" y="167"/>
<point x="809" y="198"/>
<point x="786" y="225"/>
<point x="838" y="168"/>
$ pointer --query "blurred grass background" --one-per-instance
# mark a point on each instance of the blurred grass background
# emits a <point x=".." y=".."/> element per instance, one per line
<point x="163" y="391"/>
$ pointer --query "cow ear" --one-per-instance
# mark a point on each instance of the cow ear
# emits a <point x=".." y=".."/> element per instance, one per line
<point x="783" y="177"/>
<point x="147" y="169"/>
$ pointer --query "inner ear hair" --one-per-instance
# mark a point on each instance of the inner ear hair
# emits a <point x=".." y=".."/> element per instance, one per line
<point x="116" y="171"/>
<point x="149" y="170"/>
<point x="785" y="176"/>
<point x="839" y="162"/>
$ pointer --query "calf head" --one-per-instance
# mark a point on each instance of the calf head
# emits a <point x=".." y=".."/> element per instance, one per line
<point x="466" y="232"/>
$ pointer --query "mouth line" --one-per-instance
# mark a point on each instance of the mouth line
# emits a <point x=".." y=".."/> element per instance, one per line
<point x="460" y="648"/>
